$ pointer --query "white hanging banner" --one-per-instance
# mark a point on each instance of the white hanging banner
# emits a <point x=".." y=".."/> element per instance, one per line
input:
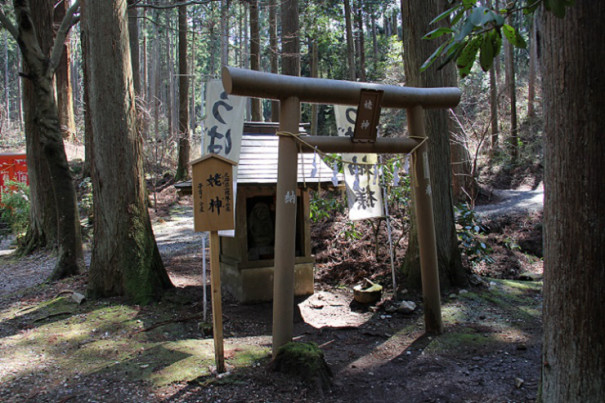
<point x="363" y="187"/>
<point x="223" y="129"/>
<point x="224" y="122"/>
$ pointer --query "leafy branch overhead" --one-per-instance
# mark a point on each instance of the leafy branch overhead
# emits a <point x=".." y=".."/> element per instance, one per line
<point x="478" y="29"/>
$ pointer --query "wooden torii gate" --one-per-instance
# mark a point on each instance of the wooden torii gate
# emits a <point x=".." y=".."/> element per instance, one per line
<point x="291" y="91"/>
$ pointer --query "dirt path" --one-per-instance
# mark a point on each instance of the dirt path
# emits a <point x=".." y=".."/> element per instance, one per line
<point x="513" y="201"/>
<point x="174" y="235"/>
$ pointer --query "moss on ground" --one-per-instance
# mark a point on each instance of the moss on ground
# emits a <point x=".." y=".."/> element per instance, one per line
<point x="305" y="360"/>
<point x="130" y="342"/>
<point x="468" y="339"/>
<point x="474" y="318"/>
<point x="112" y="339"/>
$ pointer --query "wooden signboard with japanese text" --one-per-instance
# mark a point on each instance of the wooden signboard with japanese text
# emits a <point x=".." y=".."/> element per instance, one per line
<point x="368" y="115"/>
<point x="212" y="187"/>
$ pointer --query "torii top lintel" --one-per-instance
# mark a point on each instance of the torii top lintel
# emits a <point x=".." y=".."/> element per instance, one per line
<point x="258" y="84"/>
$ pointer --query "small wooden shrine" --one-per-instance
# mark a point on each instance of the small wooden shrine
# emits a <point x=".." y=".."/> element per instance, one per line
<point x="247" y="259"/>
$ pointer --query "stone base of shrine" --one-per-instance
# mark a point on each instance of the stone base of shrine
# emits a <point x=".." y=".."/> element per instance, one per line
<point x="255" y="284"/>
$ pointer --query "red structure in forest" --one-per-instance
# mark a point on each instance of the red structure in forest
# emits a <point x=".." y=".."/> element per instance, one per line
<point x="13" y="167"/>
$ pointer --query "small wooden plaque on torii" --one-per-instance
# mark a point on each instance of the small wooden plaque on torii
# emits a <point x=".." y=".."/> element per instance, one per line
<point x="368" y="115"/>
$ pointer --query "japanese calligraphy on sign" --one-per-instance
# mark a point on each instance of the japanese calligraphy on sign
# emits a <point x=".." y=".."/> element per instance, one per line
<point x="212" y="193"/>
<point x="224" y="126"/>
<point x="368" y="114"/>
<point x="224" y="122"/>
<point x="361" y="173"/>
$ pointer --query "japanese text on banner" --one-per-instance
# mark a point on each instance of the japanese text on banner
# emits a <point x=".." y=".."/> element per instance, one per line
<point x="361" y="176"/>
<point x="224" y="127"/>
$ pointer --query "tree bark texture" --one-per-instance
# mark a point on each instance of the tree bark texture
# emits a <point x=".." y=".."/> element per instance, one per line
<point x="133" y="35"/>
<point x="361" y="42"/>
<point x="211" y="35"/>
<point x="63" y="80"/>
<point x="154" y="86"/>
<point x="47" y="150"/>
<point x="19" y="93"/>
<point x="245" y="37"/>
<point x="224" y="32"/>
<point x="574" y="261"/>
<point x="274" y="53"/>
<point x="125" y="258"/>
<point x="7" y="109"/>
<point x="182" y="170"/>
<point x="290" y="52"/>
<point x="497" y="58"/>
<point x="350" y="43"/>
<point x="145" y="69"/>
<point x="191" y="69"/>
<point x="43" y="211"/>
<point x="255" y="103"/>
<point x="531" y="81"/>
<point x="238" y="54"/>
<point x="314" y="57"/>
<point x="511" y="88"/>
<point x="375" y="58"/>
<point x="88" y="155"/>
<point x="493" y="106"/>
<point x="170" y="99"/>
<point x="416" y="17"/>
<point x="75" y="74"/>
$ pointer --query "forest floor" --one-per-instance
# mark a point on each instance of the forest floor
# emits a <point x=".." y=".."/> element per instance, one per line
<point x="55" y="349"/>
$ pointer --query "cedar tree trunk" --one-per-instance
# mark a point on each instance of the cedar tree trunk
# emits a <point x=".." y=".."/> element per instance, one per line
<point x="350" y="43"/>
<point x="255" y="103"/>
<point x="182" y="170"/>
<point x="43" y="117"/>
<point x="274" y="60"/>
<point x="416" y="17"/>
<point x="290" y="53"/>
<point x="573" y="363"/>
<point x="63" y="80"/>
<point x="125" y="257"/>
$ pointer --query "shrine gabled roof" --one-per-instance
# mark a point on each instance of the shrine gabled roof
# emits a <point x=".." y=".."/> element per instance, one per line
<point x="258" y="162"/>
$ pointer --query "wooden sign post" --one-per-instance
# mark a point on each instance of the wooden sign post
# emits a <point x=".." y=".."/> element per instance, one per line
<point x="212" y="186"/>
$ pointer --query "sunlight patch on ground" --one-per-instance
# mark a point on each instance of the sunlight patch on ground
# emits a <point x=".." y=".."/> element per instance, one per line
<point x="324" y="309"/>
<point x="64" y="343"/>
<point x="79" y="343"/>
<point x="15" y="361"/>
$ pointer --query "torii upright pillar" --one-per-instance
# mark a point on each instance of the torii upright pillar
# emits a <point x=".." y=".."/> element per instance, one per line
<point x="427" y="242"/>
<point x="285" y="220"/>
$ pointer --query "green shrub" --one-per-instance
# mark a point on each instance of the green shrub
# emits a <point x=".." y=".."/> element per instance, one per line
<point x="324" y="205"/>
<point x="471" y="234"/>
<point x="350" y="232"/>
<point x="14" y="208"/>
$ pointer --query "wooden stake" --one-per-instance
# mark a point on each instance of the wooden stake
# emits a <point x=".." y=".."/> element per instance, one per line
<point x="217" y="309"/>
